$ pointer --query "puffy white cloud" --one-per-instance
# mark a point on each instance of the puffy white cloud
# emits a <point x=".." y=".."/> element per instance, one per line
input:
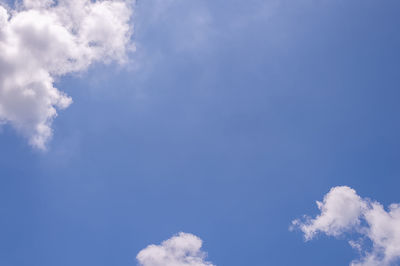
<point x="344" y="213"/>
<point x="340" y="211"/>
<point x="181" y="250"/>
<point x="41" y="40"/>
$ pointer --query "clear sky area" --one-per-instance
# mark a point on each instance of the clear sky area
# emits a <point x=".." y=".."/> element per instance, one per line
<point x="211" y="125"/>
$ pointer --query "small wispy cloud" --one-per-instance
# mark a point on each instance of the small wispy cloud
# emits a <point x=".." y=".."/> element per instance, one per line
<point x="181" y="250"/>
<point x="344" y="213"/>
<point x="41" y="40"/>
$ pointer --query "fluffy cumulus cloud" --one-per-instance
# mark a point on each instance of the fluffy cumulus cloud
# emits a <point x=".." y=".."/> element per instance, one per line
<point x="41" y="40"/>
<point x="180" y="250"/>
<point x="372" y="230"/>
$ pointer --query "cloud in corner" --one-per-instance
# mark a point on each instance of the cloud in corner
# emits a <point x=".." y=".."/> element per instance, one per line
<point x="41" y="40"/>
<point x="370" y="229"/>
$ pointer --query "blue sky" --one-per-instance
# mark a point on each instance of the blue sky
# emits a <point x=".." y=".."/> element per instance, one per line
<point x="228" y="122"/>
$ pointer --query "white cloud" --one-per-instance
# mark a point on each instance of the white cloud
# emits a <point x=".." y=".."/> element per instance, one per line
<point x="41" y="40"/>
<point x="181" y="250"/>
<point x="344" y="213"/>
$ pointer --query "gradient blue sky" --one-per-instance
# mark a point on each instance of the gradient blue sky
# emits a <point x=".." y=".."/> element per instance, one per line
<point x="231" y="119"/>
